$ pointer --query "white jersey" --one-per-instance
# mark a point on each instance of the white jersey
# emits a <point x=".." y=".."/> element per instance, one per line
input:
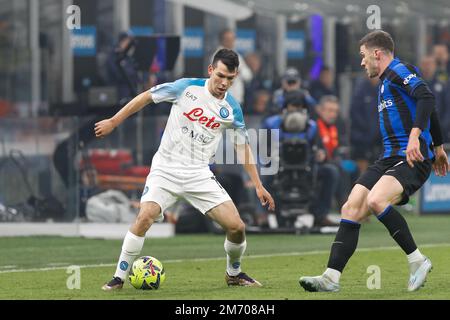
<point x="195" y="126"/>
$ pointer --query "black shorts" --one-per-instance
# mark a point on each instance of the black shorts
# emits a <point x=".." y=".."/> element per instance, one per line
<point x="411" y="179"/>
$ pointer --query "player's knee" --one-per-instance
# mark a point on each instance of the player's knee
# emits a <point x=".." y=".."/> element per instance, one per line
<point x="376" y="203"/>
<point x="237" y="227"/>
<point x="350" y="211"/>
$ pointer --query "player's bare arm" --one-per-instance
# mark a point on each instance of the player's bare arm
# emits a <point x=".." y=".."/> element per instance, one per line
<point x="413" y="153"/>
<point x="105" y="127"/>
<point x="245" y="156"/>
<point x="440" y="165"/>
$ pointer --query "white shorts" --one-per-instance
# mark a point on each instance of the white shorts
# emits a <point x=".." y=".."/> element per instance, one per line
<point x="200" y="189"/>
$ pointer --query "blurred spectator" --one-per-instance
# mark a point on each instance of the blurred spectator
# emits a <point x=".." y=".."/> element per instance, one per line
<point x="228" y="40"/>
<point x="5" y="108"/>
<point x="444" y="114"/>
<point x="327" y="123"/>
<point x="324" y="85"/>
<point x="440" y="53"/>
<point x="261" y="103"/>
<point x="293" y="101"/>
<point x="329" y="171"/>
<point x="121" y="69"/>
<point x="428" y="67"/>
<point x="365" y="137"/>
<point x="291" y="81"/>
<point x="294" y="124"/>
<point x="257" y="82"/>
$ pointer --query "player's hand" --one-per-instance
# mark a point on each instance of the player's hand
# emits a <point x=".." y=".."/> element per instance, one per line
<point x="413" y="151"/>
<point x="103" y="128"/>
<point x="440" y="165"/>
<point x="265" y="198"/>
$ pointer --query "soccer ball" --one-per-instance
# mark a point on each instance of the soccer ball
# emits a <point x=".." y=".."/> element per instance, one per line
<point x="147" y="273"/>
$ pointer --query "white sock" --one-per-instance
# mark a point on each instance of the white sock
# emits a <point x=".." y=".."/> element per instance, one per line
<point x="333" y="274"/>
<point x="415" y="256"/>
<point x="131" y="248"/>
<point x="234" y="253"/>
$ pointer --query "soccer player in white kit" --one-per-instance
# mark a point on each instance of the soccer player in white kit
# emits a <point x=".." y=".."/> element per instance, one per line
<point x="201" y="110"/>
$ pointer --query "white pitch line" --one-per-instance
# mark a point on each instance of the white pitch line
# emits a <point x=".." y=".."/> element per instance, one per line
<point x="8" y="267"/>
<point x="57" y="264"/>
<point x="304" y="253"/>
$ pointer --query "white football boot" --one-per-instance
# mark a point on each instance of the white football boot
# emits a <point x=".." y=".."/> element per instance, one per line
<point x="319" y="284"/>
<point x="418" y="274"/>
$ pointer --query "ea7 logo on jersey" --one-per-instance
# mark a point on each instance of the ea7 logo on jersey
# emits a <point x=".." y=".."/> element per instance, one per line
<point x="408" y="78"/>
<point x="191" y="96"/>
<point x="384" y="104"/>
<point x="196" y="114"/>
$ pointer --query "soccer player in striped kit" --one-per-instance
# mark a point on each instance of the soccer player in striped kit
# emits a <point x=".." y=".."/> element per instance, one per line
<point x="412" y="143"/>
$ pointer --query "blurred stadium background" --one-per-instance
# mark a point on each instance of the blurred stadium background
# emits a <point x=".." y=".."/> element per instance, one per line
<point x="62" y="69"/>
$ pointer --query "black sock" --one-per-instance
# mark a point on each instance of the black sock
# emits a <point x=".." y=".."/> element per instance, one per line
<point x="398" y="228"/>
<point x="344" y="244"/>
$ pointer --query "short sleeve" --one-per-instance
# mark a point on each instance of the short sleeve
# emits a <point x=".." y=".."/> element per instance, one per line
<point x="169" y="91"/>
<point x="240" y="131"/>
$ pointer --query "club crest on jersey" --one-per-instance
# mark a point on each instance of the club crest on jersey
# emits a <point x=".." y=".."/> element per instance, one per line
<point x="196" y="114"/>
<point x="224" y="113"/>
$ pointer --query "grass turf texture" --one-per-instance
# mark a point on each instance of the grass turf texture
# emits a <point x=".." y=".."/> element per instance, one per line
<point x="195" y="266"/>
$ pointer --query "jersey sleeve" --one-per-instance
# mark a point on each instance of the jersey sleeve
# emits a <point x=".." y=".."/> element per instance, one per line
<point x="408" y="77"/>
<point x="240" y="130"/>
<point x="169" y="91"/>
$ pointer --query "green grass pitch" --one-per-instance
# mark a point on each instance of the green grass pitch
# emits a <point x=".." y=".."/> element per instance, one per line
<point x="36" y="267"/>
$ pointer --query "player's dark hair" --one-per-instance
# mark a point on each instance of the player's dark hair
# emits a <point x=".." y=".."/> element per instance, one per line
<point x="378" y="39"/>
<point x="228" y="58"/>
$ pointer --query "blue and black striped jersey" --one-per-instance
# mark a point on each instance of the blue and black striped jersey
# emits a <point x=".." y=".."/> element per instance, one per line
<point x="397" y="109"/>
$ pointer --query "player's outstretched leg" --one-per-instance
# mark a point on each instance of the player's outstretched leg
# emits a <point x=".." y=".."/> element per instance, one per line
<point x="235" y="244"/>
<point x="344" y="245"/>
<point x="342" y="249"/>
<point x="133" y="243"/>
<point x="388" y="187"/>
<point x="419" y="265"/>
